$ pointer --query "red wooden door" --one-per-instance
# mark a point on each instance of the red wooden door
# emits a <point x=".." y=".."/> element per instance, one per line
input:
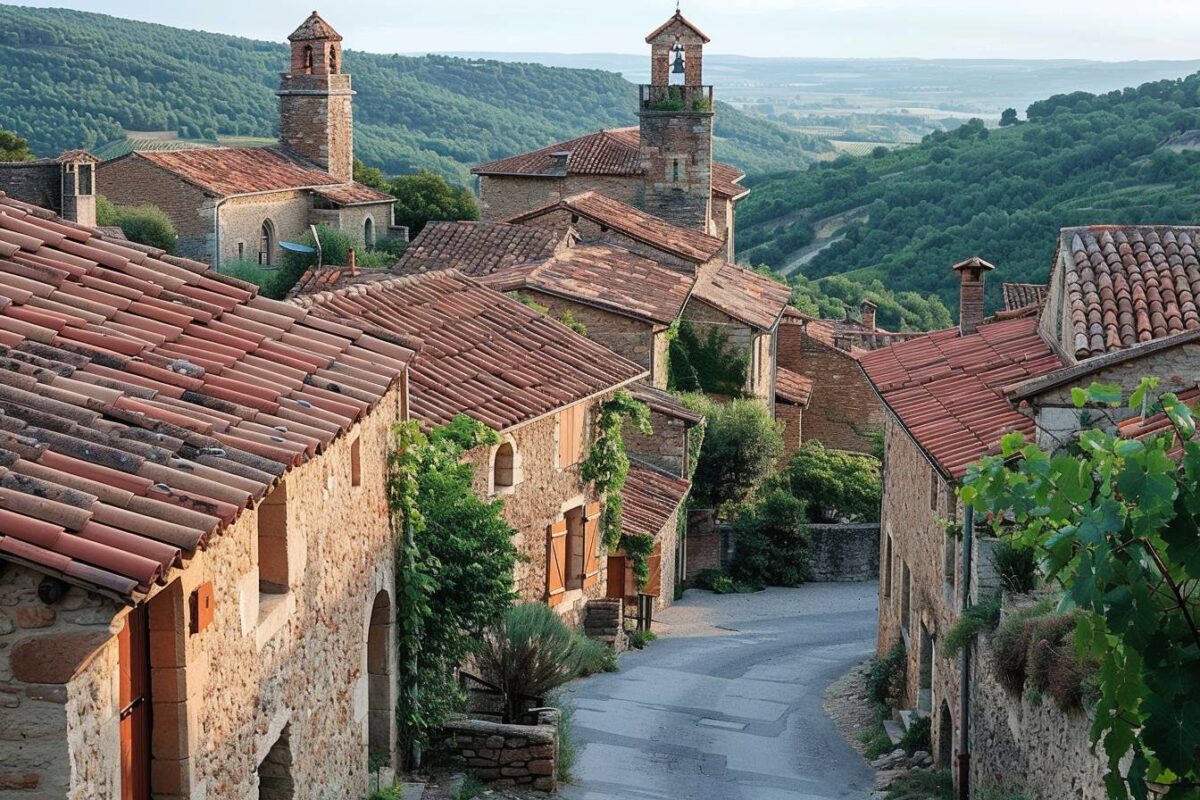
<point x="133" y="644"/>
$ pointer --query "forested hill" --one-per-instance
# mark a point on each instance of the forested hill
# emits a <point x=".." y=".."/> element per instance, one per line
<point x="75" y="79"/>
<point x="1002" y="194"/>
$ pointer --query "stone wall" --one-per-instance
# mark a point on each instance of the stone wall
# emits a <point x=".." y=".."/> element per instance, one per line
<point x="634" y="339"/>
<point x="919" y="571"/>
<point x="507" y="755"/>
<point x="666" y="449"/>
<point x="677" y="163"/>
<point x="844" y="410"/>
<point x="242" y="220"/>
<point x="1029" y="742"/>
<point x="844" y="552"/>
<point x="605" y="620"/>
<point x="792" y="417"/>
<point x="38" y="183"/>
<point x="133" y="181"/>
<point x="288" y="667"/>
<point x="704" y="543"/>
<point x="542" y="494"/>
<point x="352" y="220"/>
<point x="317" y="122"/>
<point x="502" y="197"/>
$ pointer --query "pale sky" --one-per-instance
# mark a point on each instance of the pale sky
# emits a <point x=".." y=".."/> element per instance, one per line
<point x="1109" y="30"/>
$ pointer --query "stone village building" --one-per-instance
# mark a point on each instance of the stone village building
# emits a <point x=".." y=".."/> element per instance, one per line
<point x="539" y="385"/>
<point x="231" y="204"/>
<point x="65" y="185"/>
<point x="1119" y="306"/>
<point x="175" y="618"/>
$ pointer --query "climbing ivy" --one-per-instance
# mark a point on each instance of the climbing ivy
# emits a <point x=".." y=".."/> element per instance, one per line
<point x="607" y="468"/>
<point x="706" y="363"/>
<point x="454" y="571"/>
<point x="1116" y="522"/>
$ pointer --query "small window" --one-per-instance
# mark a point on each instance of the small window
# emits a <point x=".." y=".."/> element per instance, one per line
<point x="333" y="65"/>
<point x="905" y="595"/>
<point x="273" y="543"/>
<point x="85" y="179"/>
<point x="308" y="60"/>
<point x="575" y="548"/>
<point x="369" y="233"/>
<point x="504" y="467"/>
<point x="887" y="566"/>
<point x="574" y="219"/>
<point x="241" y="250"/>
<point x="356" y="463"/>
<point x="949" y="560"/>
<point x="266" y="244"/>
<point x="675" y="170"/>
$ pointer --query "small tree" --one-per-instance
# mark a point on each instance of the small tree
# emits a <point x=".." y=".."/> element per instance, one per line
<point x="1008" y="117"/>
<point x="14" y="147"/>
<point x="741" y="446"/>
<point x="835" y="484"/>
<point x="426" y="197"/>
<point x="1116" y="522"/>
<point x="144" y="224"/>
<point x="772" y="541"/>
<point x="706" y="362"/>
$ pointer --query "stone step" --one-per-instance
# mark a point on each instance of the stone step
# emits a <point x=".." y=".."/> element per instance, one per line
<point x="894" y="730"/>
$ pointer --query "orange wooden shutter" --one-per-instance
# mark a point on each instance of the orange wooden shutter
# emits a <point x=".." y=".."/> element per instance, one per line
<point x="616" y="577"/>
<point x="556" y="562"/>
<point x="591" y="545"/>
<point x="654" y="562"/>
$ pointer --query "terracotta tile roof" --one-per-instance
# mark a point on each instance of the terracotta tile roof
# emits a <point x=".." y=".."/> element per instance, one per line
<point x="665" y="403"/>
<point x="146" y="400"/>
<point x="483" y="354"/>
<point x="606" y="152"/>
<point x="1130" y="284"/>
<point x="1138" y="428"/>
<point x="683" y="21"/>
<point x="324" y="279"/>
<point x="1023" y="295"/>
<point x="685" y="243"/>
<point x="478" y="248"/>
<point x="726" y="179"/>
<point x="607" y="277"/>
<point x="649" y="499"/>
<point x="225" y="171"/>
<point x="950" y="392"/>
<point x="314" y="28"/>
<point x="792" y="386"/>
<point x="745" y="295"/>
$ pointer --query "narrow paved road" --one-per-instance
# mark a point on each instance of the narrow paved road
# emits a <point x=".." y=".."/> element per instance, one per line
<point x="726" y="705"/>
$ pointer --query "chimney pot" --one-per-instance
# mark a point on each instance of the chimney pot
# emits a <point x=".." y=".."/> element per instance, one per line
<point x="351" y="263"/>
<point x="971" y="275"/>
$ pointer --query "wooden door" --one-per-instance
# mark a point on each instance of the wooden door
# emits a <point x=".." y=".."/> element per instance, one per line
<point x="616" y="577"/>
<point x="133" y="644"/>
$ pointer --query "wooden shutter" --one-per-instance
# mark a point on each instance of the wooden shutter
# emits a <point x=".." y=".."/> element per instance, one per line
<point x="133" y="660"/>
<point x="591" y="546"/>
<point x="570" y="435"/>
<point x="654" y="562"/>
<point x="556" y="562"/>
<point x="616" y="581"/>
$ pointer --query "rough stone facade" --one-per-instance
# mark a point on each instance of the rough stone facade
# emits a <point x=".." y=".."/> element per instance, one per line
<point x="791" y="415"/>
<point x="677" y="165"/>
<point x="844" y="552"/>
<point x="303" y="677"/>
<point x="67" y="187"/>
<point x="919" y="577"/>
<point x="844" y="410"/>
<point x="316" y="120"/>
<point x="241" y="221"/>
<point x="133" y="182"/>
<point x="643" y="343"/>
<point x="542" y="493"/>
<point x="507" y="755"/>
<point x="666" y="449"/>
<point x="705" y="544"/>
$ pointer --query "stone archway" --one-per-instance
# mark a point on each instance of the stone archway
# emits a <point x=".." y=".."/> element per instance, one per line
<point x="945" y="734"/>
<point x="275" y="780"/>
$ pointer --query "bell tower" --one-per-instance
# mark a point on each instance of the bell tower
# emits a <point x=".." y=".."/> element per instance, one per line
<point x="676" y="119"/>
<point x="316" y="120"/>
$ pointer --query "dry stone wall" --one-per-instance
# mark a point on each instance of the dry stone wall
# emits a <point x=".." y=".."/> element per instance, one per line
<point x="844" y="552"/>
<point x="508" y="755"/>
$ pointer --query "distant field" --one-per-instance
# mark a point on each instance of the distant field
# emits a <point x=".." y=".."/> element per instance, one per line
<point x="862" y="148"/>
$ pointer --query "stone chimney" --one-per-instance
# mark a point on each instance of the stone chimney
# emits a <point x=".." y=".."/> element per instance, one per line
<point x="559" y="162"/>
<point x="351" y="262"/>
<point x="971" y="275"/>
<point x="867" y="308"/>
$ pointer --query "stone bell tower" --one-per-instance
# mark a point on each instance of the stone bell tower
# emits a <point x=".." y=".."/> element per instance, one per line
<point x="315" y="117"/>
<point x="675" y="110"/>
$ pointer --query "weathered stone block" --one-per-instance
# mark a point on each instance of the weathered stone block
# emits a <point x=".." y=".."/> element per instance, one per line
<point x="54" y="658"/>
<point x="541" y="767"/>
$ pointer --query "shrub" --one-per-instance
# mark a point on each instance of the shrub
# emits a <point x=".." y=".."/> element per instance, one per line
<point x="395" y="792"/>
<point x="741" y="446"/>
<point x="974" y="621"/>
<point x="772" y="541"/>
<point x="528" y="654"/>
<point x="249" y="271"/>
<point x="471" y="787"/>
<point x="392" y="245"/>
<point x="1035" y="647"/>
<point x="876" y="741"/>
<point x="568" y="748"/>
<point x="919" y="736"/>
<point x="837" y="485"/>
<point x="594" y="656"/>
<point x="144" y="224"/>
<point x="885" y="680"/>
<point x="639" y="639"/>
<point x="1017" y="567"/>
<point x="706" y="362"/>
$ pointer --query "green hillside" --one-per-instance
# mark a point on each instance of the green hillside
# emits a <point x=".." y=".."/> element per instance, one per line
<point x="1001" y="194"/>
<point x="75" y="79"/>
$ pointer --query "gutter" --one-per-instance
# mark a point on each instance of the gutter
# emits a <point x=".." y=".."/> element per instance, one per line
<point x="964" y="743"/>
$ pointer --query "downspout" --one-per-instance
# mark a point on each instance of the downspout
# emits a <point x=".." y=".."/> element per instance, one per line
<point x="964" y="745"/>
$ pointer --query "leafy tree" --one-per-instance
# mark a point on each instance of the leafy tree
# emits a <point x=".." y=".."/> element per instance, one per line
<point x="1116" y="522"/>
<point x="455" y="576"/>
<point x="741" y="447"/>
<point x="706" y="363"/>
<point x="369" y="176"/>
<point x="145" y="224"/>
<point x="1008" y="117"/>
<point x="427" y="197"/>
<point x="14" y="148"/>
<point x="835" y="484"/>
<point x="772" y="541"/>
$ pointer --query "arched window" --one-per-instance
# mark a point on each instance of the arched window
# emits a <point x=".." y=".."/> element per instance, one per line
<point x="380" y="703"/>
<point x="504" y="467"/>
<point x="333" y="67"/>
<point x="266" y="244"/>
<point x="308" y="59"/>
<point x="369" y="233"/>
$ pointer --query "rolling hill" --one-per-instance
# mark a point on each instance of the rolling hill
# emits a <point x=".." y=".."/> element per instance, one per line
<point x="904" y="216"/>
<point x="76" y="79"/>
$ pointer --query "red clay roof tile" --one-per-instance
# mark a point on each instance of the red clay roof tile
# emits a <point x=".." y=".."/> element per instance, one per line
<point x="478" y="248"/>
<point x="649" y="499"/>
<point x="745" y="295"/>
